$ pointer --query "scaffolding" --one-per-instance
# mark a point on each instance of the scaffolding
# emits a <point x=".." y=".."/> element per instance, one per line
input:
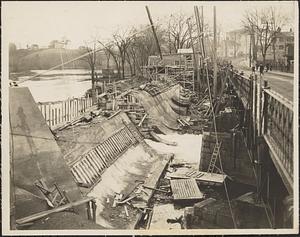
<point x="178" y="67"/>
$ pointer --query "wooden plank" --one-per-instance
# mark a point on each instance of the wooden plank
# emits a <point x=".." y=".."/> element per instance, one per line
<point x="91" y="168"/>
<point x="42" y="214"/>
<point x="141" y="122"/>
<point x="155" y="189"/>
<point x="114" y="114"/>
<point x="126" y="211"/>
<point x="77" y="177"/>
<point x="185" y="189"/>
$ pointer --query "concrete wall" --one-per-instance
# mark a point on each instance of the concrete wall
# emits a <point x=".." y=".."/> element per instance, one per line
<point x="159" y="107"/>
<point x="35" y="155"/>
<point x="208" y="143"/>
<point x="77" y="141"/>
<point x="240" y="167"/>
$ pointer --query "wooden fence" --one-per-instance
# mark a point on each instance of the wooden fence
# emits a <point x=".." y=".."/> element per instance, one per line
<point x="58" y="113"/>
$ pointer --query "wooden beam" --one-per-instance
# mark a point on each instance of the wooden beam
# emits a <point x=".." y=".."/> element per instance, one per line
<point x="42" y="214"/>
<point x="141" y="122"/>
<point x="155" y="189"/>
<point x="154" y="33"/>
<point x="215" y="54"/>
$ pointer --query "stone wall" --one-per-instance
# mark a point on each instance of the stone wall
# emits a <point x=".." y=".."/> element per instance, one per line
<point x="208" y="143"/>
<point x="234" y="155"/>
<point x="210" y="213"/>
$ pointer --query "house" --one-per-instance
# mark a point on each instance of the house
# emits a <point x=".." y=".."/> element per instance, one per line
<point x="34" y="47"/>
<point x="283" y="48"/>
<point x="56" y="44"/>
<point x="237" y="43"/>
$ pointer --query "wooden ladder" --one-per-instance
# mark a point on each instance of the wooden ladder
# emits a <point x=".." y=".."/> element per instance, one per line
<point x="214" y="157"/>
<point x="55" y="197"/>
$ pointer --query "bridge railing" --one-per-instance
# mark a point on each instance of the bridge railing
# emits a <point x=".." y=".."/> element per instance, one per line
<point x="278" y="129"/>
<point x="58" y="113"/>
<point x="242" y="84"/>
<point x="271" y="116"/>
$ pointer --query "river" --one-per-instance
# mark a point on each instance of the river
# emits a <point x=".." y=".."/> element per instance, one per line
<point x="58" y="85"/>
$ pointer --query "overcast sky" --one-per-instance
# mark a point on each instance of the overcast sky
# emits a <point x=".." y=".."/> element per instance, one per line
<point x="40" y="22"/>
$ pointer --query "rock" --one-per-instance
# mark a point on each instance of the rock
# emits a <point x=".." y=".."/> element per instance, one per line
<point x="199" y="206"/>
<point x="188" y="217"/>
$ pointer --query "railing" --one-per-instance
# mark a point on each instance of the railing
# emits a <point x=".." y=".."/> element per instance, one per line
<point x="271" y="116"/>
<point x="242" y="85"/>
<point x="58" y="113"/>
<point x="278" y="129"/>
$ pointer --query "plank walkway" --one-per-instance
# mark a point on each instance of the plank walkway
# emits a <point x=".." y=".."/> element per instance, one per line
<point x="185" y="189"/>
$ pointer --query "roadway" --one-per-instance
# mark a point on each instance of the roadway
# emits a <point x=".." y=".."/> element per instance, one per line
<point x="281" y="82"/>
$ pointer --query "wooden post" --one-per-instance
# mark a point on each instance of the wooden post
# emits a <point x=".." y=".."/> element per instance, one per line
<point x="88" y="209"/>
<point x="250" y="45"/>
<point x="65" y="114"/>
<point x="254" y="109"/>
<point x="68" y="106"/>
<point x="265" y="110"/>
<point x="215" y="55"/>
<point x="259" y="146"/>
<point x="268" y="186"/>
<point x="194" y="56"/>
<point x="45" y="112"/>
<point x="55" y="116"/>
<point x="58" y="111"/>
<point x="259" y="97"/>
<point x="154" y="33"/>
<point x="77" y="107"/>
<point x="49" y="105"/>
<point x="94" y="208"/>
<point x="61" y="112"/>
<point x="234" y="149"/>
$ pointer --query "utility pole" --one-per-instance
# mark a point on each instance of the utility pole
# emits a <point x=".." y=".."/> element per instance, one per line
<point x="200" y="29"/>
<point x="195" y="63"/>
<point x="154" y="33"/>
<point x="200" y="42"/>
<point x="93" y="69"/>
<point x="250" y="45"/>
<point x="226" y="49"/>
<point x="235" y="48"/>
<point x="215" y="54"/>
<point x="254" y="55"/>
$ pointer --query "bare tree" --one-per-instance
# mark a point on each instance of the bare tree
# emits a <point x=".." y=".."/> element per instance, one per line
<point x="91" y="60"/>
<point x="265" y="24"/>
<point x="110" y="50"/>
<point x="122" y="42"/>
<point x="178" y="32"/>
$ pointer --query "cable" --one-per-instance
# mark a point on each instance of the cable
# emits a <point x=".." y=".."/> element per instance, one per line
<point x="111" y="43"/>
<point x="215" y="128"/>
<point x="255" y="175"/>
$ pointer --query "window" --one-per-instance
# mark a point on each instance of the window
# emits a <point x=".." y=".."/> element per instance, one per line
<point x="281" y="47"/>
<point x="176" y="62"/>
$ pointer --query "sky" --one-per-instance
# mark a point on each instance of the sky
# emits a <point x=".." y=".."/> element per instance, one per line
<point x="40" y="22"/>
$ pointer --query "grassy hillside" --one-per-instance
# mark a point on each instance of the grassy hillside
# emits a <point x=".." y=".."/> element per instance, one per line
<point x="25" y="60"/>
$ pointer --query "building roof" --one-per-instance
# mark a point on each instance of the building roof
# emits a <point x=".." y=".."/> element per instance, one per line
<point x="238" y="31"/>
<point x="185" y="51"/>
<point x="286" y="34"/>
<point x="153" y="60"/>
